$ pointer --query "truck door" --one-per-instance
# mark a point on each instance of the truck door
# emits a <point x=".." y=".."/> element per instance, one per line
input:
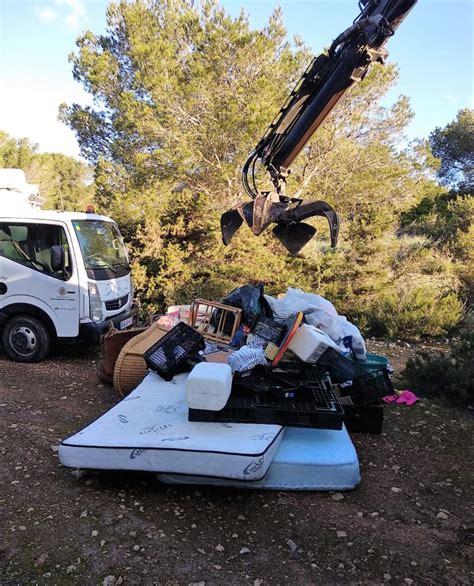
<point x="29" y="269"/>
<point x="3" y="276"/>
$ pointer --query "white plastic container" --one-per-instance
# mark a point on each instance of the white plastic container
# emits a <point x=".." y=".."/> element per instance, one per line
<point x="208" y="386"/>
<point x="309" y="343"/>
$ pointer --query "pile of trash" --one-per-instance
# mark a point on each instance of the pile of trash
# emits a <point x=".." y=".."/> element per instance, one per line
<point x="290" y="360"/>
<point x="251" y="391"/>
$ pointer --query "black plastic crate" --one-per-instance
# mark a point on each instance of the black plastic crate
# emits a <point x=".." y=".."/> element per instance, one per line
<point x="364" y="418"/>
<point x="170" y="355"/>
<point x="307" y="400"/>
<point x="339" y="367"/>
<point x="269" y="330"/>
<point x="370" y="387"/>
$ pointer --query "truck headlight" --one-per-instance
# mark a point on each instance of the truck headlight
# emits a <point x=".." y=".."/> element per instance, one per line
<point x="95" y="303"/>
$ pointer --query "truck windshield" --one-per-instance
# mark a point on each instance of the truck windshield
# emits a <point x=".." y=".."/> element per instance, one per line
<point x="102" y="248"/>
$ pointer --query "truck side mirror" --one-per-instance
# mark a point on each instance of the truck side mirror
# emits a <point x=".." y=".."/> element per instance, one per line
<point x="57" y="258"/>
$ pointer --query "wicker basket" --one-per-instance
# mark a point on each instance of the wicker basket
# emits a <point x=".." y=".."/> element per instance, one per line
<point x="113" y="342"/>
<point x="130" y="367"/>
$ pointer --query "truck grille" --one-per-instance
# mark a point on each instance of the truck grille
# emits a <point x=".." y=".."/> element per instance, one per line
<point x="116" y="303"/>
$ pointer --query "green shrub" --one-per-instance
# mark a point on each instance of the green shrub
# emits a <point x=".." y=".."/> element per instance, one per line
<point x="447" y="376"/>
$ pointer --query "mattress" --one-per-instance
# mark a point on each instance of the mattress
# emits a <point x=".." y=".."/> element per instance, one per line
<point x="307" y="459"/>
<point x="148" y="430"/>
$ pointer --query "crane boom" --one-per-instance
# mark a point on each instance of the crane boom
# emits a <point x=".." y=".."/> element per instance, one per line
<point x="322" y="85"/>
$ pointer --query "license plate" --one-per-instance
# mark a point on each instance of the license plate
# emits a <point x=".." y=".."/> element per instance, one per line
<point x="125" y="323"/>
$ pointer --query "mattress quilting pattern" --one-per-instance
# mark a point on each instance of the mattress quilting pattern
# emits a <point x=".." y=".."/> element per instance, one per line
<point x="148" y="430"/>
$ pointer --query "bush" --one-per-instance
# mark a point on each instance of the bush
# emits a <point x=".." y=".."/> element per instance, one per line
<point x="447" y="376"/>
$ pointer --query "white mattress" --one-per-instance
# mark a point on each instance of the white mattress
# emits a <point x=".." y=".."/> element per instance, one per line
<point x="307" y="459"/>
<point x="149" y="430"/>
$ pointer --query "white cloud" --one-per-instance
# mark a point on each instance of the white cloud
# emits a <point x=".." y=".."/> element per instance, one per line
<point x="75" y="11"/>
<point x="70" y="12"/>
<point x="45" y="13"/>
<point x="72" y="20"/>
<point x="34" y="115"/>
<point x="451" y="98"/>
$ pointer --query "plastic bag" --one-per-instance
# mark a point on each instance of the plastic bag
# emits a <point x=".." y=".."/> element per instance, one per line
<point x="319" y="312"/>
<point x="352" y="339"/>
<point x="251" y="300"/>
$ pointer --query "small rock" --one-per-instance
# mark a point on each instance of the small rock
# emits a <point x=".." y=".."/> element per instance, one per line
<point x="408" y="581"/>
<point x="387" y="577"/>
<point x="219" y="547"/>
<point x="41" y="559"/>
<point x="83" y="514"/>
<point x="70" y="569"/>
<point x="244" y="550"/>
<point x="341" y="534"/>
<point x="337" y="496"/>
<point x="133" y="533"/>
<point x="217" y="567"/>
<point x="94" y="533"/>
<point x="200" y="550"/>
<point x="136" y="548"/>
<point x="240" y="517"/>
<point x="360" y="514"/>
<point x="291" y="544"/>
<point x="109" y="581"/>
<point x="22" y="528"/>
<point x="442" y="515"/>
<point x="395" y="489"/>
<point x="257" y="582"/>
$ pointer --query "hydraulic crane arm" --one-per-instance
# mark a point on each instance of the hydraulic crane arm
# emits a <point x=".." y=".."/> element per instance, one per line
<point x="322" y="85"/>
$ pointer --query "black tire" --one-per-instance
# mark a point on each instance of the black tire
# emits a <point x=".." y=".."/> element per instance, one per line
<point x="26" y="339"/>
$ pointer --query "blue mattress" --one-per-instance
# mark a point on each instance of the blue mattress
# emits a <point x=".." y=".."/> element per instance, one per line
<point x="307" y="459"/>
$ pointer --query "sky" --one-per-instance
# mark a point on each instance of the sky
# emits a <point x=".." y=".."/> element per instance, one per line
<point x="433" y="47"/>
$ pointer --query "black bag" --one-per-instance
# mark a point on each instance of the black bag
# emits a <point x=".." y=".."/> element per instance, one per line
<point x="251" y="300"/>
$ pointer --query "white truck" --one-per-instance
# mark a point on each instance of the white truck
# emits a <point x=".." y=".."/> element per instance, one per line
<point x="64" y="276"/>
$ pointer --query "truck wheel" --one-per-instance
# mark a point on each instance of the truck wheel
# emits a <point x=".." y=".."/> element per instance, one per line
<point x="26" y="339"/>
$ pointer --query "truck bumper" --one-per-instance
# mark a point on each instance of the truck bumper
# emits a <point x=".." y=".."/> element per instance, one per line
<point x="92" y="332"/>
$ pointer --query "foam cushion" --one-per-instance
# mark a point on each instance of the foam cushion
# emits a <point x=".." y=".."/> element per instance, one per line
<point x="208" y="386"/>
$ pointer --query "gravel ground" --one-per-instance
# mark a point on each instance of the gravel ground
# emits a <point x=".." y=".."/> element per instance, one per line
<point x="408" y="522"/>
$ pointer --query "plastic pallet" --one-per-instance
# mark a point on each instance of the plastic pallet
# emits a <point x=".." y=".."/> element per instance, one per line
<point x="364" y="418"/>
<point x="312" y="403"/>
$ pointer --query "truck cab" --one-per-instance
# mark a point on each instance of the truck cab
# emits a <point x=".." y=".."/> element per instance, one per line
<point x="64" y="276"/>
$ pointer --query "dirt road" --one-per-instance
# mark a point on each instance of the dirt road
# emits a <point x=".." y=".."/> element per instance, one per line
<point x="408" y="523"/>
